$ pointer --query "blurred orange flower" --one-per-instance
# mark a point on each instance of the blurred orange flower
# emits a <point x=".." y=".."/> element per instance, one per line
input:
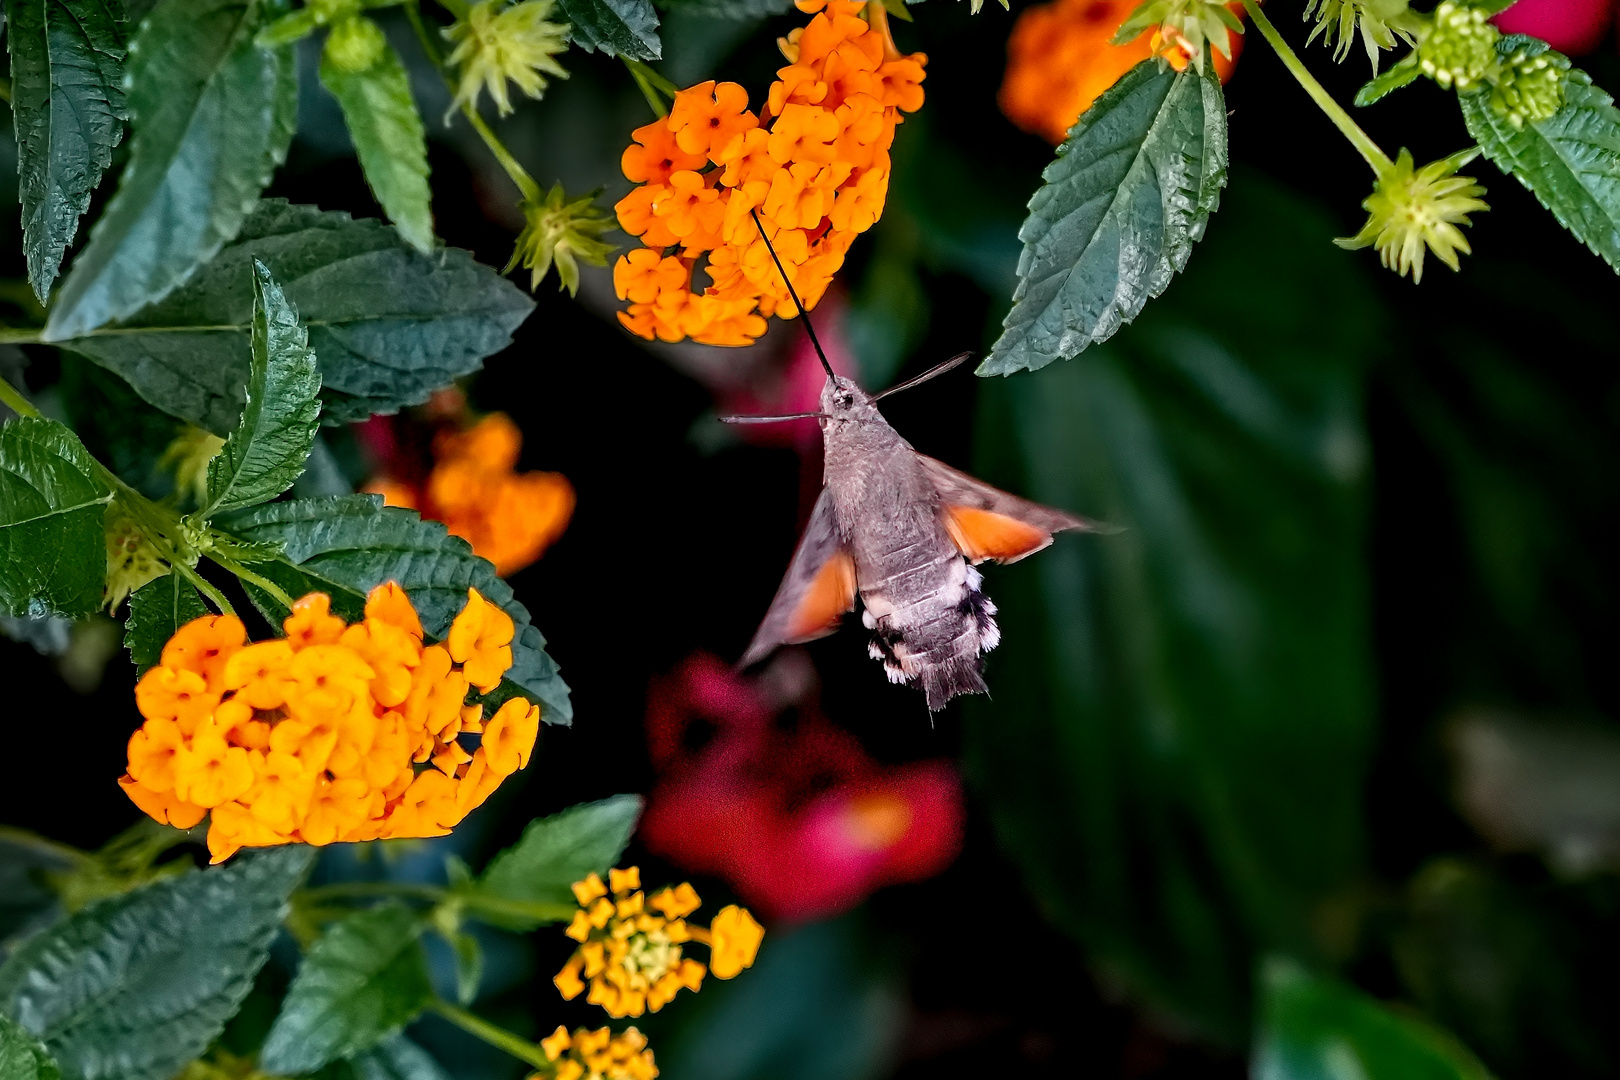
<point x="1059" y="61"/>
<point x="509" y="518"/>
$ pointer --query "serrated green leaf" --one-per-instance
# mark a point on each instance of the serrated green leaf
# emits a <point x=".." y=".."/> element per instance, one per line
<point x="553" y="853"/>
<point x="23" y="1057"/>
<point x="67" y="97"/>
<point x="397" y="1058"/>
<point x="1388" y="81"/>
<point x="362" y="980"/>
<point x="53" y="547"/>
<point x="346" y="546"/>
<point x="388" y="324"/>
<point x="1129" y="194"/>
<point x="212" y="116"/>
<point x="1313" y="1028"/>
<point x="388" y="137"/>
<point x="156" y="610"/>
<point x="1175" y="747"/>
<point x="617" y="27"/>
<point x="266" y="452"/>
<point x="1570" y="161"/>
<point x="134" y="986"/>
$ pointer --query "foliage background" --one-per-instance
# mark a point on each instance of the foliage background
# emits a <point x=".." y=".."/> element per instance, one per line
<point x="1405" y="496"/>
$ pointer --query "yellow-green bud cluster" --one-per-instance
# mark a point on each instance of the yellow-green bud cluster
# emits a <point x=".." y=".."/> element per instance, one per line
<point x="1460" y="47"/>
<point x="356" y="44"/>
<point x="1530" y="88"/>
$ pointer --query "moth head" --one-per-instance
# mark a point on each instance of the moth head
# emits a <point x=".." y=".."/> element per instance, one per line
<point x="841" y="399"/>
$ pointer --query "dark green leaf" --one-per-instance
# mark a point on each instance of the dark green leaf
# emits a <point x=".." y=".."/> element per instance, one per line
<point x="397" y="1058"/>
<point x="53" y="547"/>
<point x="617" y="27"/>
<point x="362" y="980"/>
<point x="1571" y="160"/>
<point x="21" y="1055"/>
<point x="1389" y="81"/>
<point x="266" y="452"/>
<point x="388" y="324"/>
<point x="212" y="116"/>
<point x="1175" y="745"/>
<point x="553" y="853"/>
<point x="120" y="430"/>
<point x="1129" y="194"/>
<point x="348" y="545"/>
<point x="388" y="135"/>
<point x="1318" y="1029"/>
<point x="156" y="610"/>
<point x="67" y="97"/>
<point x="135" y="986"/>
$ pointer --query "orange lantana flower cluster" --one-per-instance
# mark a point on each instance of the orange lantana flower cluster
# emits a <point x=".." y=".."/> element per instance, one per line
<point x="814" y="165"/>
<point x="1060" y="60"/>
<point x="508" y="517"/>
<point x="335" y="732"/>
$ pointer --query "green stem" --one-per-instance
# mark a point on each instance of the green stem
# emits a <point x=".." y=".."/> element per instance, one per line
<point x="5" y="90"/>
<point x="496" y="1036"/>
<point x="518" y="174"/>
<point x="276" y="592"/>
<point x="473" y="901"/>
<point x="640" y="73"/>
<point x="19" y="404"/>
<point x="24" y="839"/>
<point x="1363" y="143"/>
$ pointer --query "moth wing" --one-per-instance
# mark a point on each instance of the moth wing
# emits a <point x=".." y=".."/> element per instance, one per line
<point x="816" y="593"/>
<point x="987" y="523"/>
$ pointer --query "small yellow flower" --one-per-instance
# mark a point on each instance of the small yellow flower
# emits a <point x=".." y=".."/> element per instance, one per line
<point x="562" y="231"/>
<point x="1184" y="25"/>
<point x="189" y="455"/>
<point x="1413" y="210"/>
<point x="598" y="1055"/>
<point x="630" y="951"/>
<point x="496" y="42"/>
<point x="1382" y="24"/>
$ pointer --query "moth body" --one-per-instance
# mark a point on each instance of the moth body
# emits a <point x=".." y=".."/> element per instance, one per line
<point x="901" y="531"/>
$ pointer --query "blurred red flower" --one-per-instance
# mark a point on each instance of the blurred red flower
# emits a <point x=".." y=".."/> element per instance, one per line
<point x="796" y="816"/>
<point x="1575" y="27"/>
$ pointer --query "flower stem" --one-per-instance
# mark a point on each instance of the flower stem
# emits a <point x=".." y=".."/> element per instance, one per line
<point x="472" y="901"/>
<point x="275" y="591"/>
<point x="12" y="336"/>
<point x="496" y="1036"/>
<point x="648" y="80"/>
<point x="20" y="405"/>
<point x="1363" y="143"/>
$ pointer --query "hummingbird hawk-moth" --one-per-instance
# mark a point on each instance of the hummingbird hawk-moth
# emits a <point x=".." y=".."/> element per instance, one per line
<point x="905" y="532"/>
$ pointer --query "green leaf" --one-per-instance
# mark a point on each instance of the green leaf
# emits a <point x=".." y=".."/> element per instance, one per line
<point x="1129" y="194"/>
<point x="397" y="1058"/>
<point x="21" y="1055"/>
<point x="553" y="853"/>
<point x="1175" y="745"/>
<point x="1389" y="81"/>
<point x="266" y="452"/>
<point x="388" y="135"/>
<point x="388" y="324"/>
<point x="738" y="10"/>
<point x="617" y="27"/>
<point x="362" y="980"/>
<point x="67" y="97"/>
<point x="347" y="545"/>
<point x="469" y="966"/>
<point x="134" y="986"/>
<point x="1571" y="160"/>
<point x="53" y="546"/>
<point x="1313" y="1028"/>
<point x="156" y="610"/>
<point x="213" y="115"/>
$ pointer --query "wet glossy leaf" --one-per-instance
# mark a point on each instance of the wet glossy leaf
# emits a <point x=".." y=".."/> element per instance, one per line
<point x="617" y="27"/>
<point x="389" y="325"/>
<point x="348" y="545"/>
<point x="212" y="115"/>
<point x="67" y="98"/>
<point x="156" y="610"/>
<point x="53" y="549"/>
<point x="22" y="1057"/>
<point x="1129" y="194"/>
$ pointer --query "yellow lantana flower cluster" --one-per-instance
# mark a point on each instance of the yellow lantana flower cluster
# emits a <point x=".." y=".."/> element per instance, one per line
<point x="631" y="946"/>
<point x="814" y="166"/>
<point x="335" y="732"/>
<point x="598" y="1055"/>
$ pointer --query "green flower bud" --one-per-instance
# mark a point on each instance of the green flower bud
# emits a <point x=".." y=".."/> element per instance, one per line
<point x="1530" y="88"/>
<point x="1460" y="47"/>
<point x="356" y="44"/>
<point x="1413" y="210"/>
<point x="132" y="561"/>
<point x="561" y="231"/>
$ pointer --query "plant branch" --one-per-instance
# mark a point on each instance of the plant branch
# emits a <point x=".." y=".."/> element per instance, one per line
<point x="1363" y="143"/>
<point x="20" y="405"/>
<point x="276" y="592"/>
<point x="654" y="87"/>
<point x="496" y="1036"/>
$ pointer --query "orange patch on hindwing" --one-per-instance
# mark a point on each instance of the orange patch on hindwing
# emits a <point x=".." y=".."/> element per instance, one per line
<point x="984" y="534"/>
<point x="830" y="596"/>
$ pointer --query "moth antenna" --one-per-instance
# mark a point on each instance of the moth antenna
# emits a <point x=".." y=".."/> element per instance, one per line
<point x="769" y="419"/>
<point x="803" y="314"/>
<point x="937" y="369"/>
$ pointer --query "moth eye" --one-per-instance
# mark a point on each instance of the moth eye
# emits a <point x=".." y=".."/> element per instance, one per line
<point x="847" y="400"/>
